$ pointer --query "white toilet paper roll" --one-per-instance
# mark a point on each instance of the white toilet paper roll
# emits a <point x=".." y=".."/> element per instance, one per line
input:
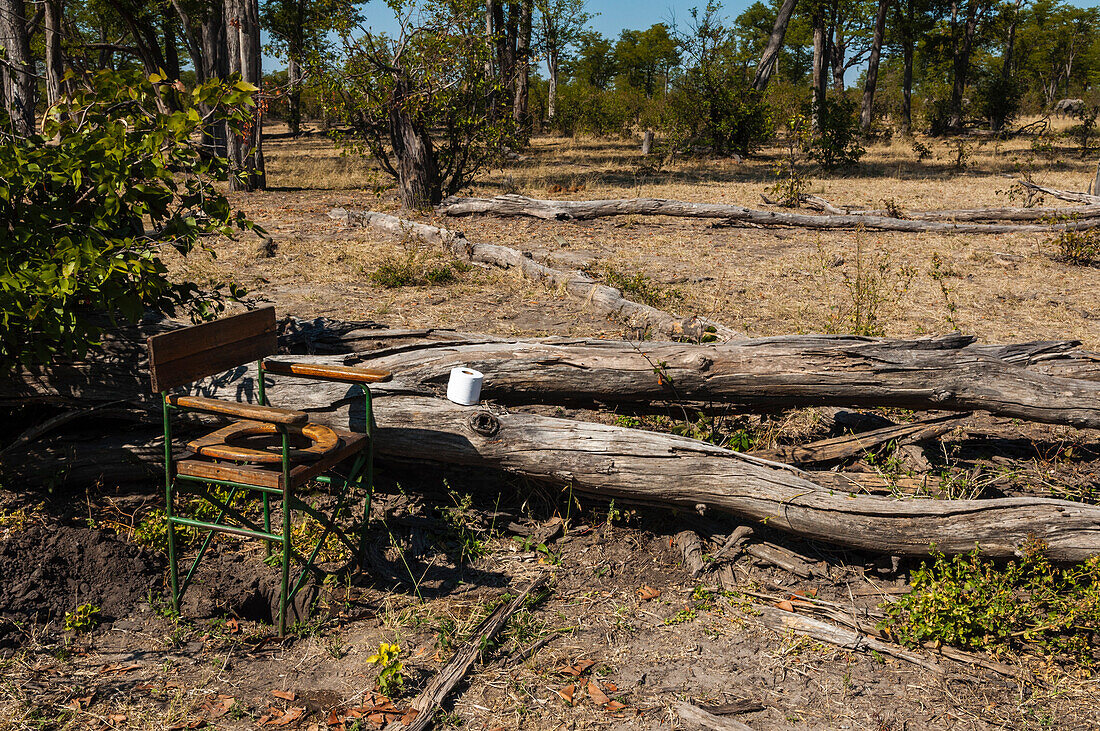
<point x="465" y="386"/>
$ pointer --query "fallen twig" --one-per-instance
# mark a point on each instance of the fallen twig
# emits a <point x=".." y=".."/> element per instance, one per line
<point x="432" y="697"/>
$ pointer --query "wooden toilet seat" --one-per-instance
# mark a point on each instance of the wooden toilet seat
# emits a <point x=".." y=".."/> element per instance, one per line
<point x="260" y="443"/>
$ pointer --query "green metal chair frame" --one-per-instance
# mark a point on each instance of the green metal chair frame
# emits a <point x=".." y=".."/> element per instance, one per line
<point x="184" y="356"/>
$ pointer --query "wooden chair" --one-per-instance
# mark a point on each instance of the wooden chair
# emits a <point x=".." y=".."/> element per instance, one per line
<point x="268" y="450"/>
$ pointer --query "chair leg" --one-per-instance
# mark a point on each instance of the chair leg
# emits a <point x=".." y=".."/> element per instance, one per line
<point x="173" y="558"/>
<point x="267" y="522"/>
<point x="284" y="582"/>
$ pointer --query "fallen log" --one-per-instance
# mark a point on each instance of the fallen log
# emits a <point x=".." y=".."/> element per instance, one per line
<point x="628" y="465"/>
<point x="554" y="210"/>
<point x="844" y="638"/>
<point x="1049" y="215"/>
<point x="600" y="297"/>
<point x="1065" y="195"/>
<point x="694" y="717"/>
<point x="829" y="450"/>
<point x="771" y="373"/>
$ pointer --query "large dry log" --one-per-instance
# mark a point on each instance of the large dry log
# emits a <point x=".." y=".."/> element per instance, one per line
<point x="961" y="214"/>
<point x="600" y="297"/>
<point x="553" y="210"/>
<point x="949" y="373"/>
<point x="782" y="372"/>
<point x="642" y="467"/>
<point x="646" y="467"/>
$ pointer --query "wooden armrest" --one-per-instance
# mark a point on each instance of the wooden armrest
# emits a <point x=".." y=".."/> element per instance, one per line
<point x="268" y="414"/>
<point x="344" y="374"/>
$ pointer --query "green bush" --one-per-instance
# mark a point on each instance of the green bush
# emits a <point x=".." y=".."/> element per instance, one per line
<point x="583" y="109"/>
<point x="998" y="99"/>
<point x="835" y="141"/>
<point x="89" y="206"/>
<point x="1028" y="605"/>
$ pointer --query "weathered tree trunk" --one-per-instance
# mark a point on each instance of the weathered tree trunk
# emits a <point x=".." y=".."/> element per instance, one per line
<point x="614" y="462"/>
<point x="960" y="62"/>
<point x="769" y="60"/>
<point x="418" y="182"/>
<point x="18" y="83"/>
<point x="783" y="372"/>
<point x="867" y="111"/>
<point x="552" y="210"/>
<point x="242" y="34"/>
<point x="820" y="64"/>
<point x="55" y="60"/>
<point x="962" y="214"/>
<point x="215" y="65"/>
<point x="523" y="64"/>
<point x="171" y="48"/>
<point x="907" y="49"/>
<point x="1065" y="195"/>
<point x="647" y="142"/>
<point x="622" y="464"/>
<point x="294" y="95"/>
<point x="552" y="96"/>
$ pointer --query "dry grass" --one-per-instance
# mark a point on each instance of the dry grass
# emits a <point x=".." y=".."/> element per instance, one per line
<point x="1003" y="287"/>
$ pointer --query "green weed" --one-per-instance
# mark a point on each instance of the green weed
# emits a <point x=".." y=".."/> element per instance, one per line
<point x="1029" y="605"/>
<point x="84" y="618"/>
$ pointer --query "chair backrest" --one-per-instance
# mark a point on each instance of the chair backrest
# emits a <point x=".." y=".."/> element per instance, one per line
<point x="184" y="356"/>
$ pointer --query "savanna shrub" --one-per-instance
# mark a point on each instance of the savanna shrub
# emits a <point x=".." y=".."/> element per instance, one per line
<point x="1028" y="604"/>
<point x="732" y="117"/>
<point x="835" y="141"/>
<point x="88" y="207"/>
<point x="998" y="99"/>
<point x="580" y="108"/>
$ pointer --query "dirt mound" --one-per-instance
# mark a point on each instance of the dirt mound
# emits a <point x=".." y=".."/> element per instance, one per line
<point x="49" y="570"/>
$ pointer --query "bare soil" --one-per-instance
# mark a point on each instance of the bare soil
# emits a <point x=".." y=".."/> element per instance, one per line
<point x="620" y="596"/>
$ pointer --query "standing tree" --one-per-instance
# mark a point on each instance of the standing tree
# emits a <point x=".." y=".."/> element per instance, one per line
<point x="560" y="26"/>
<point x="872" y="67"/>
<point x="18" y="80"/>
<point x="769" y="59"/>
<point x="421" y="102"/>
<point x="299" y="30"/>
<point x="242" y="36"/>
<point x="643" y="57"/>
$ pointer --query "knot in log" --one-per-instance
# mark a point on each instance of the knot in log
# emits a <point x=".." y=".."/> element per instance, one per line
<point x="484" y="424"/>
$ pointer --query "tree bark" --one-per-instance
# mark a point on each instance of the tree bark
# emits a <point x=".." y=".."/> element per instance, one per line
<point x="171" y="49"/>
<point x="294" y="95"/>
<point x="523" y="64"/>
<point x="1065" y="195"/>
<point x="18" y="82"/>
<point x="820" y="64"/>
<point x="418" y="183"/>
<point x="552" y="210"/>
<point x="907" y="48"/>
<point x="962" y="214"/>
<point x="867" y="111"/>
<point x="215" y="65"/>
<point x="960" y="61"/>
<point x="769" y="60"/>
<point x="242" y="34"/>
<point x="613" y="462"/>
<point x="55" y="60"/>
<point x="552" y="98"/>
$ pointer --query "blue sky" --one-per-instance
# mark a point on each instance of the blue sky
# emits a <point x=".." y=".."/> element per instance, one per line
<point x="613" y="16"/>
